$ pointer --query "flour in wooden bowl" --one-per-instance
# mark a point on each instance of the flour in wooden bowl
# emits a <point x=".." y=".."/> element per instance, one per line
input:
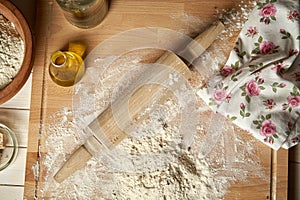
<point x="11" y="51"/>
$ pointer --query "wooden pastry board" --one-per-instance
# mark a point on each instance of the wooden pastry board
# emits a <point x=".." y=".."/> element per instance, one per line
<point x="53" y="32"/>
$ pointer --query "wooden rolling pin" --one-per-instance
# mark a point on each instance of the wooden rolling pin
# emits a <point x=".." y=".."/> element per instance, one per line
<point x="110" y="134"/>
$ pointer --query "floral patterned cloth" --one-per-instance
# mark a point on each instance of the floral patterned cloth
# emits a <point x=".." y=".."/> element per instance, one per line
<point x="258" y="88"/>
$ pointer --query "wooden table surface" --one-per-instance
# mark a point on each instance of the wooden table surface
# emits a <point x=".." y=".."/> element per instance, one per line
<point x="53" y="32"/>
<point x="15" y="115"/>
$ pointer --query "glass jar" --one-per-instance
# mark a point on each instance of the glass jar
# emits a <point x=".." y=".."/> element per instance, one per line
<point x="66" y="68"/>
<point x="84" y="13"/>
<point x="9" y="153"/>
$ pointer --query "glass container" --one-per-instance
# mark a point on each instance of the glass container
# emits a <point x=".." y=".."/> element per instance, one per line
<point x="84" y="13"/>
<point x="10" y="143"/>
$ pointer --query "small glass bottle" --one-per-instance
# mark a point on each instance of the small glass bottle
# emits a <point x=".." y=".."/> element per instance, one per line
<point x="66" y="68"/>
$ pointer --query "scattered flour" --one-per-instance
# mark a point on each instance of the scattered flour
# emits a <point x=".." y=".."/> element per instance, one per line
<point x="191" y="25"/>
<point x="153" y="166"/>
<point x="150" y="167"/>
<point x="235" y="18"/>
<point x="11" y="51"/>
<point x="215" y="57"/>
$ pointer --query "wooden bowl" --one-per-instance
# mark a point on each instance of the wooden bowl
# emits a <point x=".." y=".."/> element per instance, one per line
<point x="13" y="14"/>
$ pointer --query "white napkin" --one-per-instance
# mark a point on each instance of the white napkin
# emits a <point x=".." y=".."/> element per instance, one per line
<point x="258" y="88"/>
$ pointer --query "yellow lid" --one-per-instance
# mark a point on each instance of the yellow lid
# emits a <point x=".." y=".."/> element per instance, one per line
<point x="77" y="47"/>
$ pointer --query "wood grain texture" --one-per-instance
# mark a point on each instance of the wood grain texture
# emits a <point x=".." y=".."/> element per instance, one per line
<point x="279" y="169"/>
<point x="41" y="34"/>
<point x="15" y="173"/>
<point x="54" y="32"/>
<point x="294" y="173"/>
<point x="11" y="192"/>
<point x="77" y="161"/>
<point x="18" y="121"/>
<point x="294" y="154"/>
<point x="294" y="181"/>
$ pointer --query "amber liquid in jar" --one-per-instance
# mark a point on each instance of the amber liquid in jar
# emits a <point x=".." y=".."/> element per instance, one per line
<point x="66" y="68"/>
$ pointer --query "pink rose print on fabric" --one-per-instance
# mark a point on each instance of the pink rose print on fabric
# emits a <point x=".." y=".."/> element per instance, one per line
<point x="252" y="31"/>
<point x="291" y="130"/>
<point x="228" y="97"/>
<point x="280" y="67"/>
<point x="267" y="11"/>
<point x="296" y="139"/>
<point x="293" y="15"/>
<point x="285" y="34"/>
<point x="252" y="88"/>
<point x="243" y="111"/>
<point x="239" y="53"/>
<point x="266" y="128"/>
<point x="263" y="92"/>
<point x="264" y="47"/>
<point x="242" y="106"/>
<point x="219" y="95"/>
<point x="275" y="86"/>
<point x="293" y="52"/>
<point x="277" y="67"/>
<point x="227" y="70"/>
<point x="269" y="104"/>
<point x="293" y="100"/>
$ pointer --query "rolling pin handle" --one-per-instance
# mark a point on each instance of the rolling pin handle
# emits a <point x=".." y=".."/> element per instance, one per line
<point x="195" y="48"/>
<point x="75" y="162"/>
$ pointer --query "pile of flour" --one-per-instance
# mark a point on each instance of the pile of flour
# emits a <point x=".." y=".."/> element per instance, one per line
<point x="150" y="167"/>
<point x="11" y="51"/>
<point x="160" y="168"/>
